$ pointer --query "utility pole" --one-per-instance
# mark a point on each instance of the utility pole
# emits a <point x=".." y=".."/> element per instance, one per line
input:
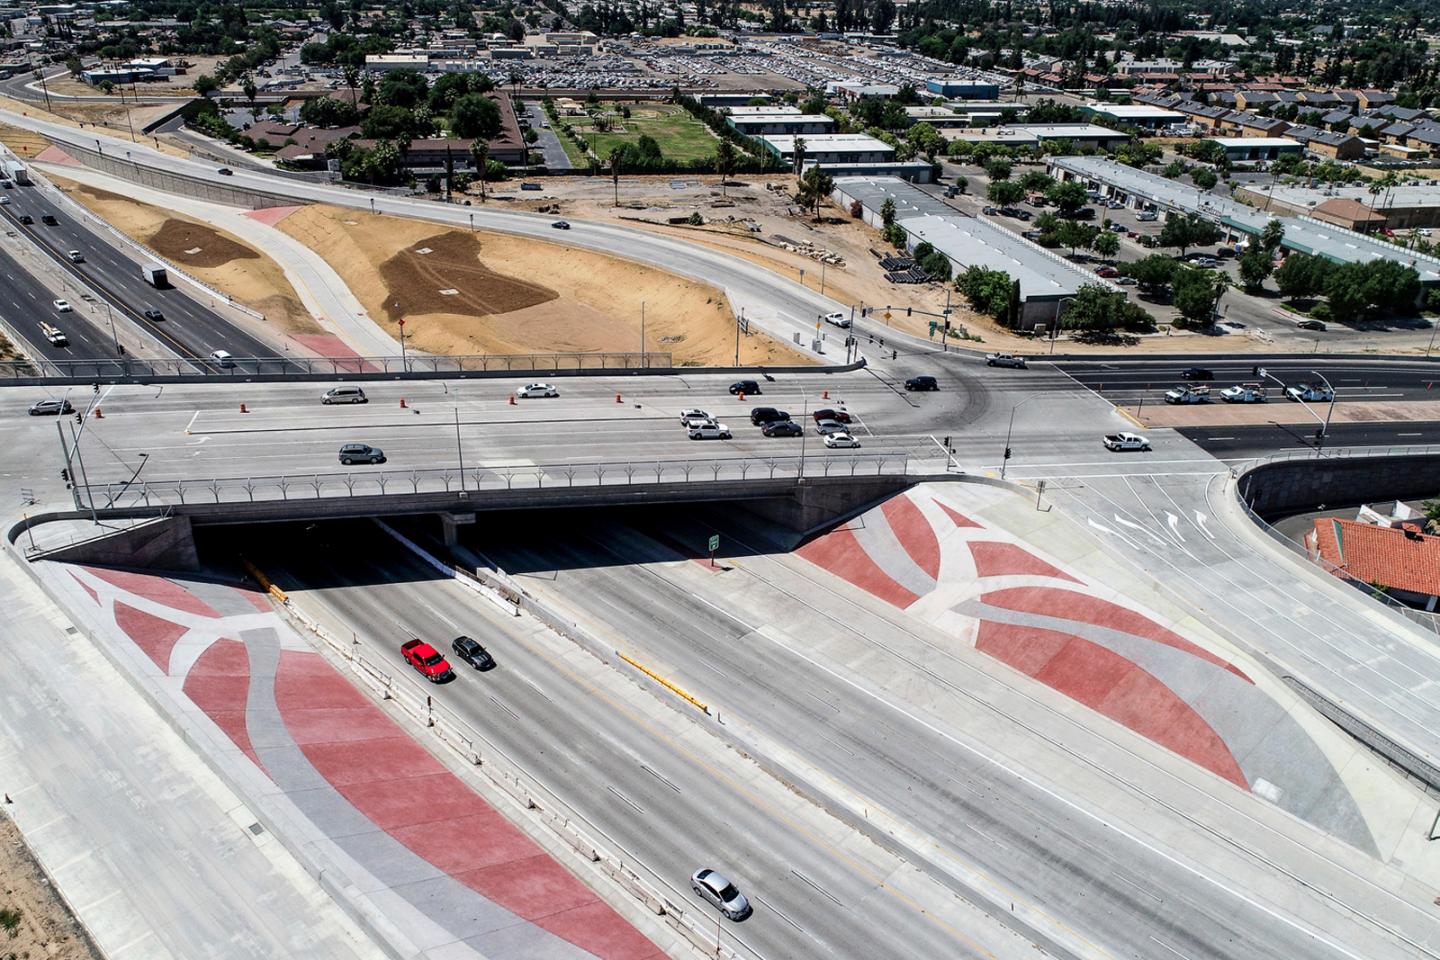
<point x="459" y="450"/>
<point x="79" y="458"/>
<point x="69" y="466"/>
<point x="739" y="322"/>
<point x="642" y="334"/>
<point x="945" y="324"/>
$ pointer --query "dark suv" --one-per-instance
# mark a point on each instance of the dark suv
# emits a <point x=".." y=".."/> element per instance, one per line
<point x="746" y="387"/>
<point x="759" y="416"/>
<point x="921" y="383"/>
<point x="1196" y="373"/>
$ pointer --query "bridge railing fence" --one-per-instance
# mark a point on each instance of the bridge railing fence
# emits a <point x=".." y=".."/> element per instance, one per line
<point x="365" y="482"/>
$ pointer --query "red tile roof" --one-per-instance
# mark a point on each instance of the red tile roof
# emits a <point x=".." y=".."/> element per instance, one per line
<point x="1381" y="555"/>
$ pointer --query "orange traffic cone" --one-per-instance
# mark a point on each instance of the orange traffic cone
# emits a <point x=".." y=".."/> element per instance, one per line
<point x="824" y="394"/>
<point x="402" y="403"/>
<point x="740" y="395"/>
<point x="512" y="399"/>
<point x="98" y="414"/>
<point x="242" y="409"/>
<point x="617" y="398"/>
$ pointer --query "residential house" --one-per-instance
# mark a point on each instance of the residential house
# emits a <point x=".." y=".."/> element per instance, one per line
<point x="1328" y="143"/>
<point x="1403" y="561"/>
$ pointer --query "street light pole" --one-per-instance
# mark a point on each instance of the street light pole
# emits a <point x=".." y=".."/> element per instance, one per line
<point x="642" y="334"/>
<point x="1005" y="459"/>
<point x="1055" y="326"/>
<point x="459" y="450"/>
<point x="1325" y="427"/>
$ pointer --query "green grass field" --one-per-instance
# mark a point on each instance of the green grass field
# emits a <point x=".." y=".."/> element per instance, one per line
<point x="680" y="136"/>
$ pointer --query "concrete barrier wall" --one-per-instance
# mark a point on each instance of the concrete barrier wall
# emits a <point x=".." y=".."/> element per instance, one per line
<point x="117" y="166"/>
<point x="1287" y="487"/>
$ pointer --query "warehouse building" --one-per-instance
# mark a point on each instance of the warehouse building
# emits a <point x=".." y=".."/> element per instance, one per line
<point x="1251" y="149"/>
<point x="1046" y="279"/>
<point x="831" y="148"/>
<point x="1133" y="114"/>
<point x="792" y="124"/>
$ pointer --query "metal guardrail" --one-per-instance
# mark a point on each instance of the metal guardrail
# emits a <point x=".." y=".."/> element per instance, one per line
<point x="363" y="482"/>
<point x="204" y="369"/>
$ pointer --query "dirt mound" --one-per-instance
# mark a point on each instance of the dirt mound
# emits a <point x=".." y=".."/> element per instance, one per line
<point x="194" y="244"/>
<point x="220" y="259"/>
<point x="443" y="274"/>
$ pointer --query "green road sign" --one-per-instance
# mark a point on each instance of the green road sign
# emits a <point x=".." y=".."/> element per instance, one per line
<point x="714" y="542"/>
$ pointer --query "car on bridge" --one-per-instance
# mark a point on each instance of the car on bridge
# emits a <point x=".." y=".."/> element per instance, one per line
<point x="827" y="427"/>
<point x="826" y="413"/>
<point x="759" y="416"/>
<point x="840" y="440"/>
<point x="222" y="359"/>
<point x="537" y="390"/>
<point x="361" y="453"/>
<point x="783" y="428"/>
<point x="1117" y="442"/>
<point x="427" y="660"/>
<point x="50" y="408"/>
<point x="922" y="383"/>
<point x="1004" y="360"/>
<point x="346" y="394"/>
<point x="710" y="430"/>
<point x="1310" y="393"/>
<point x="717" y="890"/>
<point x="694" y="417"/>
<point x="470" y="650"/>
<point x="62" y="306"/>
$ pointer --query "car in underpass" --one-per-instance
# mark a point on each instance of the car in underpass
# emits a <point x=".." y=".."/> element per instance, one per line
<point x="537" y="390"/>
<point x="361" y="453"/>
<point x="427" y="661"/>
<point x="717" y="890"/>
<point x="471" y="651"/>
<point x="222" y="358"/>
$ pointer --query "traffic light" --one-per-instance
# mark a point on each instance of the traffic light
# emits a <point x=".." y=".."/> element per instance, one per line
<point x="94" y="388"/>
<point x="65" y="474"/>
<point x="1007" y="453"/>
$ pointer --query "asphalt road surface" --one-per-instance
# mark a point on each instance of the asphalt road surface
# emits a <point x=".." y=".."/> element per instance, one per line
<point x="631" y="772"/>
<point x="189" y="327"/>
<point x="1125" y="381"/>
<point x="25" y="303"/>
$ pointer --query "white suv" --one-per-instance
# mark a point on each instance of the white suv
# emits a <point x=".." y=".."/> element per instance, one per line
<point x="710" y="430"/>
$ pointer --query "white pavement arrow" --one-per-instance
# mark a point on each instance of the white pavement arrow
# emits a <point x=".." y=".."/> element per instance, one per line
<point x="1200" y="519"/>
<point x="1174" y="522"/>
<point x="1135" y="526"/>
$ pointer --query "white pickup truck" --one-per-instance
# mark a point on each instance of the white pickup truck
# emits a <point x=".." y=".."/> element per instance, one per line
<point x="1117" y="442"/>
<point x="1244" y="393"/>
<point x="1185" y="393"/>
<point x="1004" y="360"/>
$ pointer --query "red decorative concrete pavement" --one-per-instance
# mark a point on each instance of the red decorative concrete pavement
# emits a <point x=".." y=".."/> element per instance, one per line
<point x="271" y="215"/>
<point x="839" y="552"/>
<point x="385" y="775"/>
<point x="57" y="156"/>
<point x="914" y="532"/>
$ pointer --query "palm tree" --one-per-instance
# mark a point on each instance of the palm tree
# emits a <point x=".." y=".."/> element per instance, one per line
<point x="351" y="73"/>
<point x="799" y="155"/>
<point x="250" y="91"/>
<point x="480" y="150"/>
<point x="724" y="162"/>
<point x="617" y="156"/>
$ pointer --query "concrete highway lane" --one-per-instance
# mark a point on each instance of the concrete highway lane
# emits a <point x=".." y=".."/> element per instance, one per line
<point x="1083" y="881"/>
<point x="1354" y="379"/>
<point x="189" y="327"/>
<point x="1235" y="442"/>
<point x="671" y="798"/>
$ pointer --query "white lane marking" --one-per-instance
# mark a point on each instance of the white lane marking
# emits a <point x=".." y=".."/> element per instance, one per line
<point x="1200" y="519"/>
<point x="1174" y="523"/>
<point x="192" y="421"/>
<point x="1130" y="523"/>
<point x="1114" y="533"/>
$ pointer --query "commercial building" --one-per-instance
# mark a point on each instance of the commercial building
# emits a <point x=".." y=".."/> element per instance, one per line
<point x="832" y="148"/>
<point x="1046" y="280"/>
<point x="1080" y="136"/>
<point x="1401" y="207"/>
<point x="1303" y="233"/>
<point x="385" y="62"/>
<point x="1133" y="114"/>
<point x="962" y="87"/>
<point x="1249" y="149"/>
<point x="1328" y="143"/>
<point x="792" y="124"/>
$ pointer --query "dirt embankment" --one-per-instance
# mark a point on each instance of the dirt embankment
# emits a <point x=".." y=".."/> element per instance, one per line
<point x="462" y="292"/>
<point x="218" y="258"/>
<point x="34" y="921"/>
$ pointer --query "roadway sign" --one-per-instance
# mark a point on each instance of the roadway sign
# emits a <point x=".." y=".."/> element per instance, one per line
<point x="714" y="545"/>
<point x="887" y="316"/>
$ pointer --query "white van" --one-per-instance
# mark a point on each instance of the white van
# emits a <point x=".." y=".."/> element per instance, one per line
<point x="222" y="358"/>
<point x="344" y="395"/>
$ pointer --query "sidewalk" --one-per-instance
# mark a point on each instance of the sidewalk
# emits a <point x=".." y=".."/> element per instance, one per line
<point x="320" y="288"/>
<point x="158" y="859"/>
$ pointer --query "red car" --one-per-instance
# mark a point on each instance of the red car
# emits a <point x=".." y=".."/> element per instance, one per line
<point x="828" y="414"/>
<point x="427" y="660"/>
<point x="1109" y="273"/>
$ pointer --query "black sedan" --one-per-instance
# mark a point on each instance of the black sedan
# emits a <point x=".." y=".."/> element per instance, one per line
<point x="783" y="428"/>
<point x="471" y="652"/>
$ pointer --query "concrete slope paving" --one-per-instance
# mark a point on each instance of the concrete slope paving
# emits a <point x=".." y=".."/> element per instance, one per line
<point x="413" y="848"/>
<point x="157" y="857"/>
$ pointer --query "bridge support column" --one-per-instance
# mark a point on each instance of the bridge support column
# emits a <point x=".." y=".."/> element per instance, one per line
<point x="450" y="524"/>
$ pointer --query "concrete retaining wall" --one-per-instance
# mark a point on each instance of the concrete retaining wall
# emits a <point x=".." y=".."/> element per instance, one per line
<point x="118" y="166"/>
<point x="165" y="542"/>
<point x="1287" y="487"/>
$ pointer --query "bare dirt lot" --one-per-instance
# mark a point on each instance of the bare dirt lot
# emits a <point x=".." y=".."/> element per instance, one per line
<point x="34" y="922"/>
<point x="211" y="255"/>
<point x="463" y="292"/>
